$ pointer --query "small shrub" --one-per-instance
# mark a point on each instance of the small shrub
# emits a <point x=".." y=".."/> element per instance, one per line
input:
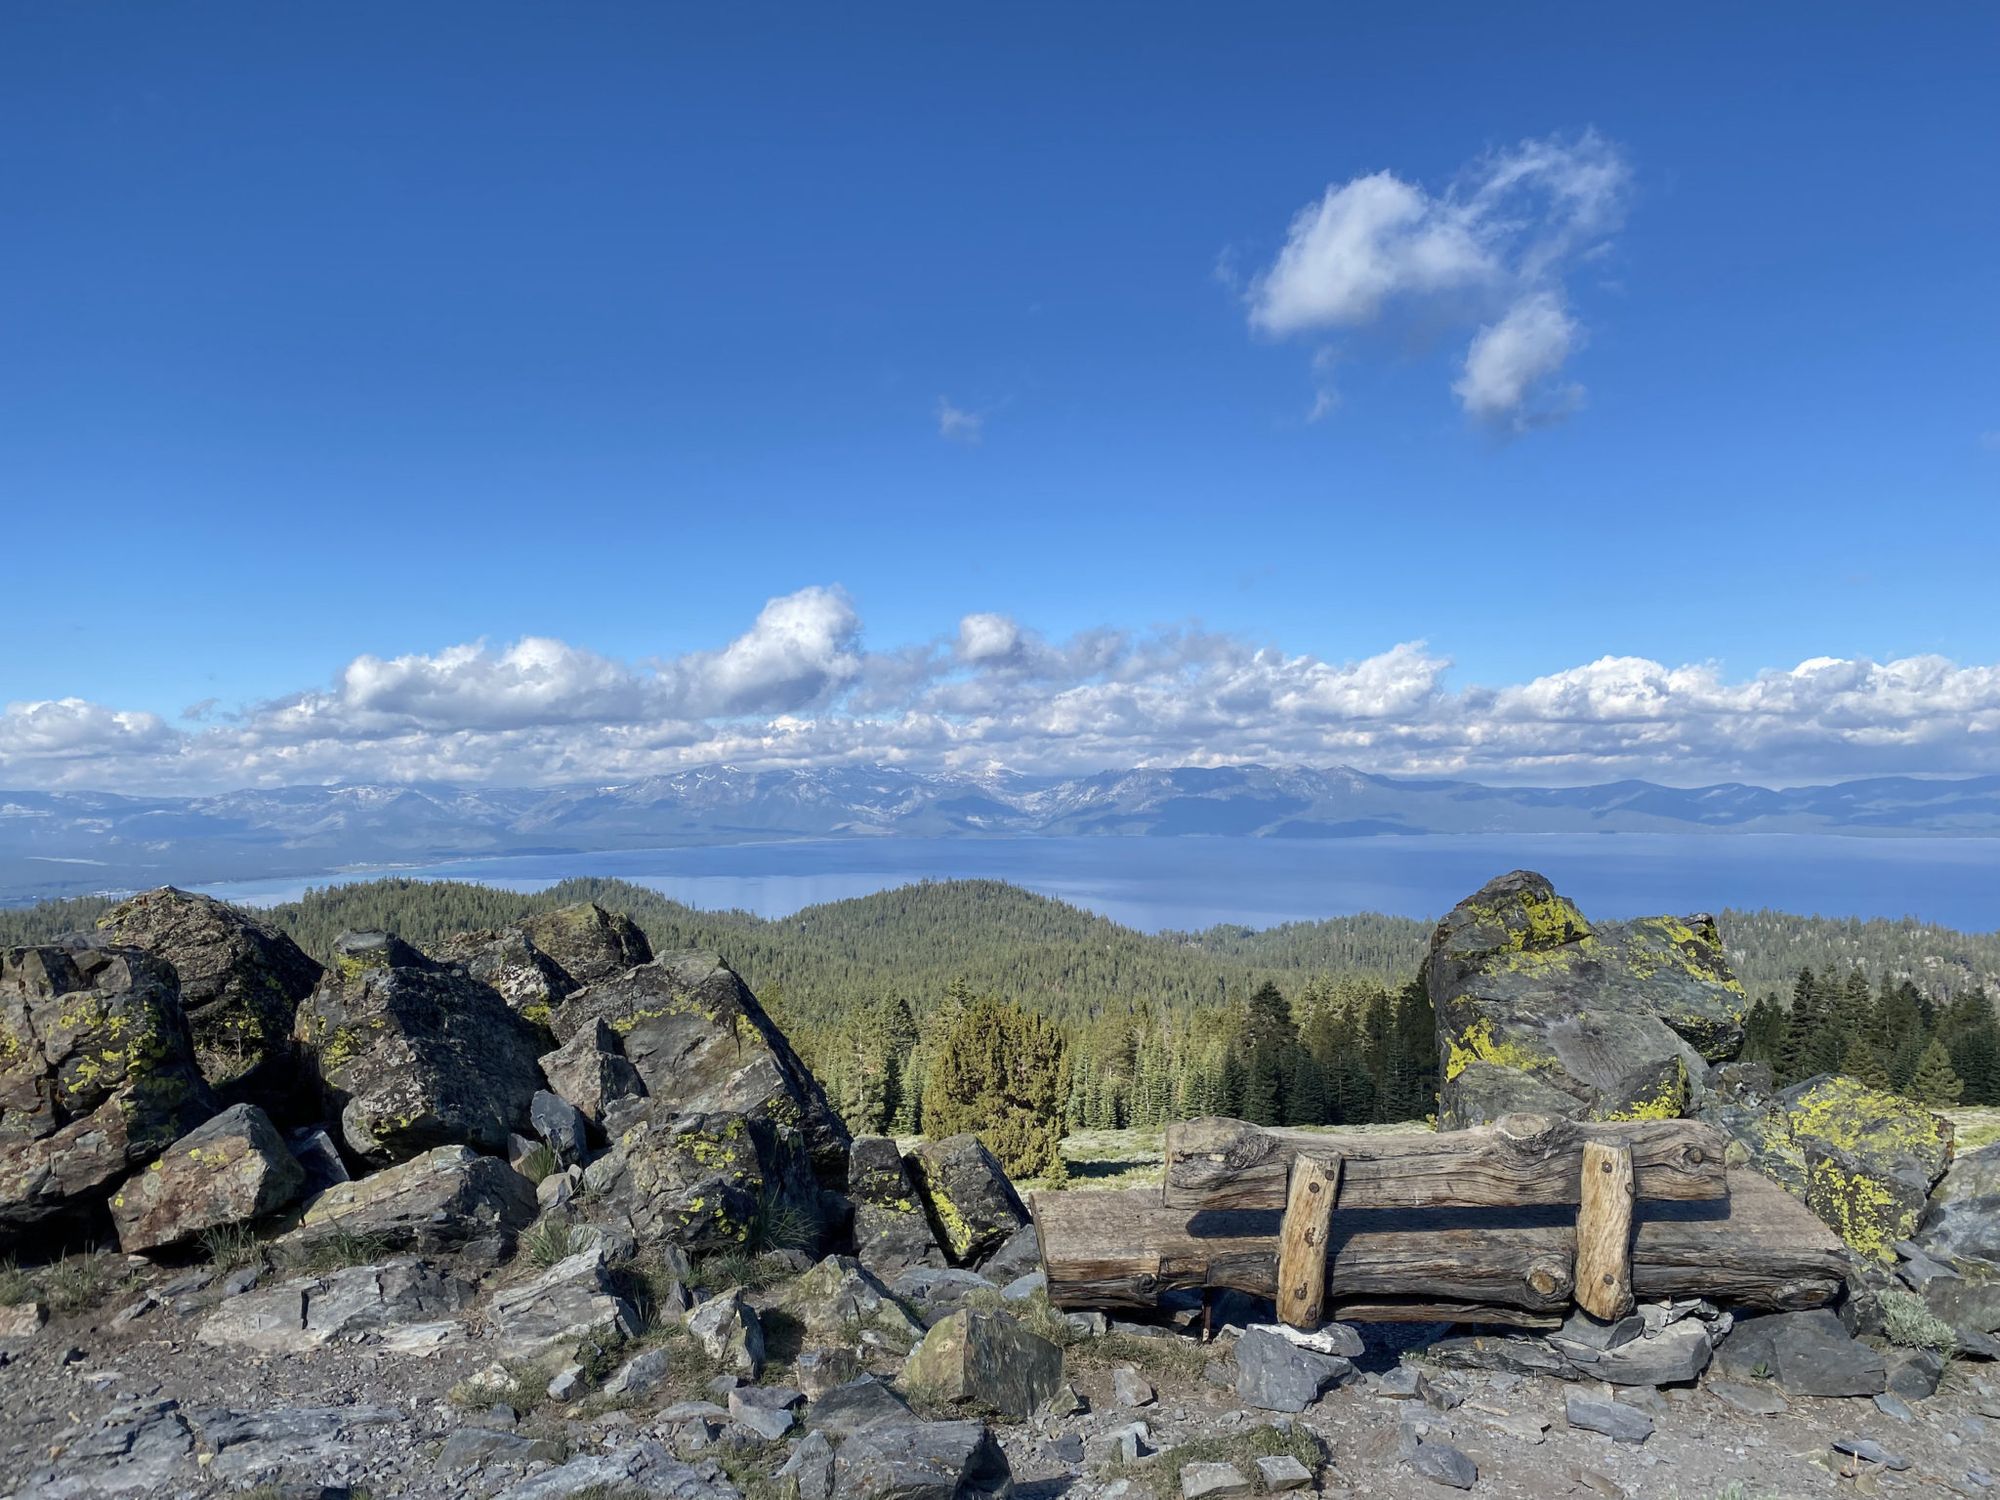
<point x="16" y="1285"/>
<point x="336" y="1249"/>
<point x="1169" y="1358"/>
<point x="79" y="1281"/>
<point x="228" y="1246"/>
<point x="738" y="1268"/>
<point x="1242" y="1449"/>
<point x="781" y="1224"/>
<point x="551" y="1242"/>
<point x="1910" y="1323"/>
<point x="539" y="1164"/>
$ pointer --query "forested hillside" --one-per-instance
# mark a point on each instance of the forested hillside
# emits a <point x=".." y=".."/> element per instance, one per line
<point x="1152" y="1027"/>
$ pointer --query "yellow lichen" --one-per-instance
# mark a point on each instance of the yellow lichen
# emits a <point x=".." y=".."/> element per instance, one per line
<point x="1668" y="1102"/>
<point x="1478" y="1044"/>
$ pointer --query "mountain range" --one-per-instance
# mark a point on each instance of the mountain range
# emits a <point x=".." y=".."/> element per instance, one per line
<point x="65" y="843"/>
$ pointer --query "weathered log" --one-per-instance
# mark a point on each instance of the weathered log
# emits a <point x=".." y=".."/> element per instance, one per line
<point x="1302" y="1241"/>
<point x="1758" y="1247"/>
<point x="1122" y="1249"/>
<point x="1405" y="1310"/>
<point x="1518" y="1160"/>
<point x="1604" y="1232"/>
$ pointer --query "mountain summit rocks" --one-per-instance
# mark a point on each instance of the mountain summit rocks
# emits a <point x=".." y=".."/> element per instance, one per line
<point x="1539" y="1009"/>
<point x="240" y="984"/>
<point x="97" y="1076"/>
<point x="412" y="1054"/>
<point x="695" y="1034"/>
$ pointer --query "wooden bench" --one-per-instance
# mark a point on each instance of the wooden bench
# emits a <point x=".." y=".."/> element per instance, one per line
<point x="1509" y="1223"/>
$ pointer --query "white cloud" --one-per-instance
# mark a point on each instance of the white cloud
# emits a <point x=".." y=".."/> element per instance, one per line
<point x="957" y="425"/>
<point x="1491" y="250"/>
<point x="799" y="686"/>
<point x="988" y="638"/>
<point x="1513" y="358"/>
<point x="801" y="647"/>
<point x="60" y="728"/>
<point x="534" y="681"/>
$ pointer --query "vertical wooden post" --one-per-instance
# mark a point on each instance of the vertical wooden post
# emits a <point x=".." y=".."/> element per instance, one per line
<point x="1315" y="1182"/>
<point x="1604" y="1232"/>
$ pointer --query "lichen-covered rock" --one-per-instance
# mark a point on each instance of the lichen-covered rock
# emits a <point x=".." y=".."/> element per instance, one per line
<point x="1538" y="1008"/>
<point x="701" y="1043"/>
<point x="587" y="942"/>
<point x="891" y="1231"/>
<point x="987" y="1361"/>
<point x="507" y="961"/>
<point x="412" y="1054"/>
<point x="240" y="984"/>
<point x="1870" y="1158"/>
<point x="97" y="1076"/>
<point x="232" y="1169"/>
<point x="447" y="1198"/>
<point x="1863" y="1159"/>
<point x="1962" y="1223"/>
<point x="592" y="1072"/>
<point x="967" y="1194"/>
<point x="705" y="1182"/>
<point x="839" y="1302"/>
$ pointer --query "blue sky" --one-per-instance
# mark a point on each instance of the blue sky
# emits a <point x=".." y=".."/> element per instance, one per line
<point x="370" y="332"/>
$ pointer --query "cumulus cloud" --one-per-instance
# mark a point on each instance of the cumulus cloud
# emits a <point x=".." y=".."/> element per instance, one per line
<point x="1490" y="251"/>
<point x="800" y="686"/>
<point x="1512" y="359"/>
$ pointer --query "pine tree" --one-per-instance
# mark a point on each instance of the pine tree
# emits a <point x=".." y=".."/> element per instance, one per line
<point x="1936" y="1084"/>
<point x="1002" y="1074"/>
<point x="1267" y="1044"/>
<point x="1803" y="1025"/>
<point x="1864" y="1064"/>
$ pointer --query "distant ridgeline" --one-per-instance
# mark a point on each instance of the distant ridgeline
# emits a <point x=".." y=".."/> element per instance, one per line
<point x="1303" y="1023"/>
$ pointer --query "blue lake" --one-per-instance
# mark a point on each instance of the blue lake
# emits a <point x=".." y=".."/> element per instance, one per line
<point x="1185" y="883"/>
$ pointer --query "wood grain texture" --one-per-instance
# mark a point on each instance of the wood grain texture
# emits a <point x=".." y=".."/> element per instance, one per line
<point x="1302" y="1240"/>
<point x="1604" y="1231"/>
<point x="1519" y="1160"/>
<point x="1759" y="1247"/>
<point x="1410" y="1310"/>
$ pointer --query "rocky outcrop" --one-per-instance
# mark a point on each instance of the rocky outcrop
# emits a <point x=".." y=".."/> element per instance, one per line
<point x="701" y="1043"/>
<point x="1804" y="1354"/>
<point x="730" y="1332"/>
<point x="986" y="1361"/>
<point x="573" y="1305"/>
<point x="233" y="1169"/>
<point x="705" y="1182"/>
<point x="839" y="1303"/>
<point x="587" y="942"/>
<point x="97" y="1076"/>
<point x="405" y="1303"/>
<point x="891" y="1231"/>
<point x="240" y="984"/>
<point x="1863" y="1159"/>
<point x="507" y="962"/>
<point x="412" y="1054"/>
<point x="1539" y="1009"/>
<point x="966" y="1192"/>
<point x="590" y="1070"/>
<point x="926" y="1461"/>
<point x="1962" y="1223"/>
<point x="450" y="1198"/>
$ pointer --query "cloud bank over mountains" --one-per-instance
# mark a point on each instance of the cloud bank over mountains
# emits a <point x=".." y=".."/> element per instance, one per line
<point x="801" y="687"/>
